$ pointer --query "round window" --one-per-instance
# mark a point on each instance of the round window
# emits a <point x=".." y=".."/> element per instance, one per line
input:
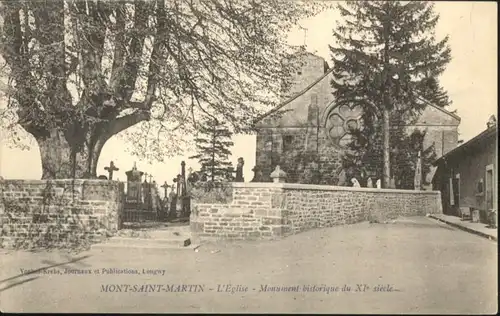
<point x="342" y="122"/>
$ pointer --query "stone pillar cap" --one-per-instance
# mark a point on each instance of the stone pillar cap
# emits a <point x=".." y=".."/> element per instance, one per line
<point x="278" y="173"/>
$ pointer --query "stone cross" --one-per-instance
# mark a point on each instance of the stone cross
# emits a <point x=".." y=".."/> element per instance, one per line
<point x="165" y="187"/>
<point x="110" y="169"/>
<point x="183" y="178"/>
<point x="150" y="177"/>
<point x="355" y="183"/>
<point x="177" y="181"/>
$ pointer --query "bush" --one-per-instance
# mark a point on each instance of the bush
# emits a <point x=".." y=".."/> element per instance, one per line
<point x="212" y="192"/>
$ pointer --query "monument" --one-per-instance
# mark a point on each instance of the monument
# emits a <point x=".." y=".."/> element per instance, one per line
<point x="257" y="174"/>
<point x="111" y="169"/>
<point x="134" y="189"/>
<point x="355" y="183"/>
<point x="418" y="173"/>
<point x="146" y="194"/>
<point x="165" y="187"/>
<point x="369" y="183"/>
<point x="239" y="170"/>
<point x="185" y="199"/>
<point x="172" y="209"/>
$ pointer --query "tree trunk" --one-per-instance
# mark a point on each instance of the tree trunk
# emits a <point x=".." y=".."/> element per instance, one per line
<point x="386" y="170"/>
<point x="62" y="159"/>
<point x="74" y="155"/>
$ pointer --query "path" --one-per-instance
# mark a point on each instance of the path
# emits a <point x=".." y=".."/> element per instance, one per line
<point x="434" y="268"/>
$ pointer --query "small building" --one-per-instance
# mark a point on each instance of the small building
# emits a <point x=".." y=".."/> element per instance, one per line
<point x="466" y="175"/>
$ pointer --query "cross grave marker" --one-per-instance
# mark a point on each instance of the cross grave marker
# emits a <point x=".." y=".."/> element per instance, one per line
<point x="111" y="169"/>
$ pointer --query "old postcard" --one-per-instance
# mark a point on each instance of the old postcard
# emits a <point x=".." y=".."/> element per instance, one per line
<point x="257" y="156"/>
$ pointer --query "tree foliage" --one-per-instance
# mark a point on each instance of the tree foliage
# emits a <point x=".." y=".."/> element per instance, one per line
<point x="213" y="145"/>
<point x="387" y="60"/>
<point x="81" y="71"/>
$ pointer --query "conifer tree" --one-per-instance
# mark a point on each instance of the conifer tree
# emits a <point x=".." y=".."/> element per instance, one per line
<point x="387" y="60"/>
<point x="431" y="90"/>
<point x="212" y="144"/>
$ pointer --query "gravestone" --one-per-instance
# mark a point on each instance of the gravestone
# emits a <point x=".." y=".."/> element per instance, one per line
<point x="257" y="174"/>
<point x="155" y="199"/>
<point x="183" y="178"/>
<point x="378" y="184"/>
<point x="189" y="178"/>
<point x="392" y="183"/>
<point x="172" y="210"/>
<point x="146" y="194"/>
<point x="342" y="178"/>
<point x="369" y="183"/>
<point x="134" y="189"/>
<point x="178" y="185"/>
<point x="177" y="181"/>
<point x="185" y="199"/>
<point x="165" y="201"/>
<point x="355" y="183"/>
<point x="165" y="187"/>
<point x="239" y="170"/>
<point x="111" y="169"/>
<point x="418" y="173"/>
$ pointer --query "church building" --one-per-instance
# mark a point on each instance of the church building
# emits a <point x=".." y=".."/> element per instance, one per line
<point x="309" y="123"/>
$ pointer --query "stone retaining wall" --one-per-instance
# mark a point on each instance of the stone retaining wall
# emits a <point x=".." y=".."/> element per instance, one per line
<point x="273" y="210"/>
<point x="58" y="213"/>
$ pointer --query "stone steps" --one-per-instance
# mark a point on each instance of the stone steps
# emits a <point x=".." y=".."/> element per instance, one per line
<point x="125" y="242"/>
<point x="175" y="237"/>
<point x="148" y="249"/>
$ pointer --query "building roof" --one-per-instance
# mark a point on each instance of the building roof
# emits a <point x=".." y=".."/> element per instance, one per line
<point x="327" y="72"/>
<point x="486" y="134"/>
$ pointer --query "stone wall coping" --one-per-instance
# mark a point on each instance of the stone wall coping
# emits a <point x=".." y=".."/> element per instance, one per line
<point x="79" y="181"/>
<point x="300" y="186"/>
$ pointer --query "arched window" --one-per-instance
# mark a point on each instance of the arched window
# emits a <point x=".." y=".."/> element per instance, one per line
<point x="342" y="122"/>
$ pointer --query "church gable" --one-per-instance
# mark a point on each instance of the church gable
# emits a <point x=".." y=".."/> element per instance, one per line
<point x="435" y="116"/>
<point x="308" y="96"/>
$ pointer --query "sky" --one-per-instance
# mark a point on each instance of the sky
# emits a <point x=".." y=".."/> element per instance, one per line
<point x="470" y="79"/>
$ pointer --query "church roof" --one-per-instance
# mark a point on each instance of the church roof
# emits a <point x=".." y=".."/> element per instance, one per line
<point x="327" y="72"/>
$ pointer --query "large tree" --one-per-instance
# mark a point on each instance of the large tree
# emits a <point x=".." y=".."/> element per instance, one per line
<point x="387" y="60"/>
<point x="80" y="71"/>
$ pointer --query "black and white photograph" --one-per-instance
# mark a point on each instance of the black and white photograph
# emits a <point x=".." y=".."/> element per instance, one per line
<point x="248" y="156"/>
